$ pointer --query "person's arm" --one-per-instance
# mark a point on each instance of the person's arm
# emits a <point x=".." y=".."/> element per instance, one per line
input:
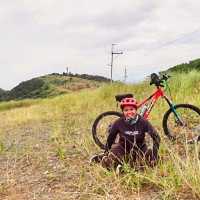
<point x="112" y="136"/>
<point x="155" y="136"/>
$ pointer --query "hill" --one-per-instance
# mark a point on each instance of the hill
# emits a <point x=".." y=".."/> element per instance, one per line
<point x="2" y="91"/>
<point x="45" y="145"/>
<point x="52" y="85"/>
<point x="88" y="77"/>
<point x="185" y="67"/>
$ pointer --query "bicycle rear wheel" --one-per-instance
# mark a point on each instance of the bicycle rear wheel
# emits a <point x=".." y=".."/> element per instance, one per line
<point x="101" y="126"/>
<point x="182" y="123"/>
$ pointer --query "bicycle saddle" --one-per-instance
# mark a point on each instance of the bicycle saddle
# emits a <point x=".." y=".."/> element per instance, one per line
<point x="119" y="97"/>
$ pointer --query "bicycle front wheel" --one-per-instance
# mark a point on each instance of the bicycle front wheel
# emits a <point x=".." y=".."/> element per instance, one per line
<point x="182" y="123"/>
<point x="101" y="125"/>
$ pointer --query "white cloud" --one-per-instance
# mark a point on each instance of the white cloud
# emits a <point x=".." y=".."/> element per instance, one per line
<point x="46" y="36"/>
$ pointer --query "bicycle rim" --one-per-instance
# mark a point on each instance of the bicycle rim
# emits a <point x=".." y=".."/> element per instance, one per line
<point x="102" y="125"/>
<point x="187" y="127"/>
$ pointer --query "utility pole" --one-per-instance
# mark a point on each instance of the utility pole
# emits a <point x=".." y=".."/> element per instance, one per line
<point x="67" y="70"/>
<point x="112" y="58"/>
<point x="125" y="75"/>
<point x="66" y="77"/>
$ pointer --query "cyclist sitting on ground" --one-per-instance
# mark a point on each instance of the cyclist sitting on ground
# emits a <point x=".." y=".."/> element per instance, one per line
<point x="131" y="128"/>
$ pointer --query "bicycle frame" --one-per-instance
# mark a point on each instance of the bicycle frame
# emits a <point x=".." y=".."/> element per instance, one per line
<point x="153" y="98"/>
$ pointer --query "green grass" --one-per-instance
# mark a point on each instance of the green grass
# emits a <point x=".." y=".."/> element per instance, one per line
<point x="58" y="130"/>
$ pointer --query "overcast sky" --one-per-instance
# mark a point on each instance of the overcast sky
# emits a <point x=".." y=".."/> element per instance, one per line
<point x="45" y="36"/>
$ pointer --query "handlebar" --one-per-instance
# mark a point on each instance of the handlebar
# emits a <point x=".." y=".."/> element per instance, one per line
<point x="159" y="81"/>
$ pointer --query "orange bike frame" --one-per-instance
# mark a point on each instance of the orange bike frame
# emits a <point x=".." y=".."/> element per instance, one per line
<point x="153" y="98"/>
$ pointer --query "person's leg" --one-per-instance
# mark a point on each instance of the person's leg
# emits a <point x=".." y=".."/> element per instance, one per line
<point x="149" y="157"/>
<point x="142" y="156"/>
<point x="114" y="157"/>
<point x="137" y="157"/>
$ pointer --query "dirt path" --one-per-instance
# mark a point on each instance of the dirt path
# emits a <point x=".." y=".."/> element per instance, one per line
<point x="33" y="166"/>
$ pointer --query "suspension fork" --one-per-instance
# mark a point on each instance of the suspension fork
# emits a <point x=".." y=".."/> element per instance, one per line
<point x="176" y="114"/>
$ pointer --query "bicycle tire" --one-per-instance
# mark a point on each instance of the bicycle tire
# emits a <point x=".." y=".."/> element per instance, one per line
<point x="177" y="107"/>
<point x="96" y="123"/>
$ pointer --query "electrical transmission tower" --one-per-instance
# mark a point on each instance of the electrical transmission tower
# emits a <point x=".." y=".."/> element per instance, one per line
<point x="112" y="60"/>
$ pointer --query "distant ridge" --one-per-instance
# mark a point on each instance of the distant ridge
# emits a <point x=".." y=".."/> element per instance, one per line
<point x="186" y="67"/>
<point x="2" y="91"/>
<point x="88" y="77"/>
<point x="52" y="85"/>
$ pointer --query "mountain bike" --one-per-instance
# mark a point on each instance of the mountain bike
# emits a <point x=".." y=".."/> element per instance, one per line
<point x="181" y="122"/>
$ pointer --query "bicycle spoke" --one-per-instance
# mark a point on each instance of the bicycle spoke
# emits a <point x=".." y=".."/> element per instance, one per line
<point x="104" y="126"/>
<point x="189" y="127"/>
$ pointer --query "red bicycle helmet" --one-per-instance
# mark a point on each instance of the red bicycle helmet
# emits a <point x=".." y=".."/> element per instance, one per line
<point x="128" y="102"/>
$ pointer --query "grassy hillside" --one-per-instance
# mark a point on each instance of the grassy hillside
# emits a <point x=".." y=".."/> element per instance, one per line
<point x="51" y="85"/>
<point x="2" y="91"/>
<point x="186" y="67"/>
<point x="45" y="146"/>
